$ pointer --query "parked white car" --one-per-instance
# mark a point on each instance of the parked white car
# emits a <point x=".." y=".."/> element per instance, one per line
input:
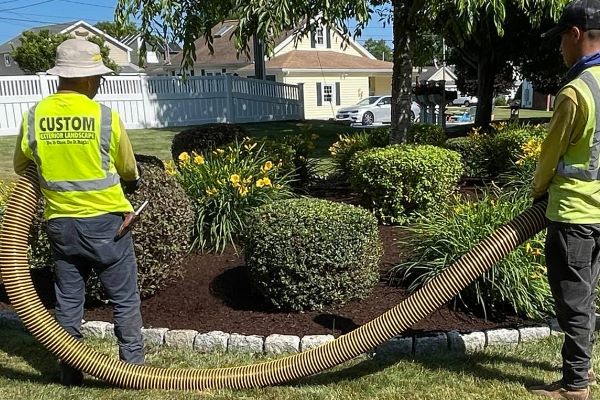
<point x="373" y="109"/>
<point x="465" y="101"/>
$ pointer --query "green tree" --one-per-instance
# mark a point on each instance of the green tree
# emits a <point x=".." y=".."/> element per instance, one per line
<point x="379" y="49"/>
<point x="116" y="29"/>
<point x="489" y="35"/>
<point x="463" y="20"/>
<point x="37" y="51"/>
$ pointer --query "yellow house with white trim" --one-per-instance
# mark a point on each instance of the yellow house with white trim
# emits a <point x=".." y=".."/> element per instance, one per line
<point x="332" y="73"/>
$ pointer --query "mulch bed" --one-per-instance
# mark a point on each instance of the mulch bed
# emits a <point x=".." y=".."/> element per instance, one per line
<point x="214" y="294"/>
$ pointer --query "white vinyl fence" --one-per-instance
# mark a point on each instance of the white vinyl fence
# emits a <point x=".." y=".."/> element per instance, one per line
<point x="155" y="102"/>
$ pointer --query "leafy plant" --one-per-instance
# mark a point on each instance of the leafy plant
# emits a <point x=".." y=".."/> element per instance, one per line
<point x="517" y="283"/>
<point x="399" y="181"/>
<point x="344" y="149"/>
<point x="224" y="185"/>
<point x="204" y="138"/>
<point x="304" y="254"/>
<point x="426" y="134"/>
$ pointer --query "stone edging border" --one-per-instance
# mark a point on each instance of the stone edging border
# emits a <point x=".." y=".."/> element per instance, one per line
<point x="217" y="341"/>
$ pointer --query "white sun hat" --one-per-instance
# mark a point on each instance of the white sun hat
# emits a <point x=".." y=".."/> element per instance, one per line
<point x="77" y="58"/>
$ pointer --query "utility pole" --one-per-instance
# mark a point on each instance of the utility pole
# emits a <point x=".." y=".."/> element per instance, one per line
<point x="443" y="107"/>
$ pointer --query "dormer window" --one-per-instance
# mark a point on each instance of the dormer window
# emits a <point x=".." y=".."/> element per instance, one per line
<point x="7" y="60"/>
<point x="320" y="37"/>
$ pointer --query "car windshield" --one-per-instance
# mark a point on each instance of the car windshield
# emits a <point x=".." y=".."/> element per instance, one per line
<point x="368" y="101"/>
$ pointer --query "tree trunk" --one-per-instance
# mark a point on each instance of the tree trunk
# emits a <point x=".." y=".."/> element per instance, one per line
<point x="486" y="72"/>
<point x="402" y="72"/>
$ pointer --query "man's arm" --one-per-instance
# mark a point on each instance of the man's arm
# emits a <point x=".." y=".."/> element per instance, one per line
<point x="20" y="159"/>
<point x="566" y="126"/>
<point x="125" y="159"/>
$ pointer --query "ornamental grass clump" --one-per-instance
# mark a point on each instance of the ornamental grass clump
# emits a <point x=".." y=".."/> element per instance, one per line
<point x="399" y="181"/>
<point x="225" y="184"/>
<point x="305" y="254"/>
<point x="517" y="284"/>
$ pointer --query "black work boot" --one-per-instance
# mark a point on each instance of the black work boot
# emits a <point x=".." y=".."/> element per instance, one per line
<point x="70" y="376"/>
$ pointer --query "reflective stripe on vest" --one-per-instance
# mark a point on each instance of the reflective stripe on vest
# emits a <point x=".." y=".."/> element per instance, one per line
<point x="111" y="179"/>
<point x="592" y="173"/>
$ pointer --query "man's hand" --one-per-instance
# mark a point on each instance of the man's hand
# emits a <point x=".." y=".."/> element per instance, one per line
<point x="129" y="187"/>
<point x="541" y="198"/>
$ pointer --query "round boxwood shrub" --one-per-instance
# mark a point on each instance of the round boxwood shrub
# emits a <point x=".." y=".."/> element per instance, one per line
<point x="205" y="137"/>
<point x="398" y="181"/>
<point x="162" y="236"/>
<point x="426" y="134"/>
<point x="304" y="254"/>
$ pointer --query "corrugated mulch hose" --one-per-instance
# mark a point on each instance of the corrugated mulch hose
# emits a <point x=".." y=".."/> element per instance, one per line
<point x="19" y="286"/>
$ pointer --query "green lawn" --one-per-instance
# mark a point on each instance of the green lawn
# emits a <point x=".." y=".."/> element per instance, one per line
<point x="157" y="142"/>
<point x="28" y="371"/>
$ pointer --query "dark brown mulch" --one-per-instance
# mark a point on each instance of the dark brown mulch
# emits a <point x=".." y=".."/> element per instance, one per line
<point x="214" y="295"/>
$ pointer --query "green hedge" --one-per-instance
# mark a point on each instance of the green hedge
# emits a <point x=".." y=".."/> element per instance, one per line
<point x="304" y="254"/>
<point x="398" y="181"/>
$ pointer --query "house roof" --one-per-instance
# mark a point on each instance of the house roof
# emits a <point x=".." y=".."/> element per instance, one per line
<point x="225" y="52"/>
<point x="428" y="72"/>
<point x="325" y="60"/>
<point x="130" y="39"/>
<point x="60" y="28"/>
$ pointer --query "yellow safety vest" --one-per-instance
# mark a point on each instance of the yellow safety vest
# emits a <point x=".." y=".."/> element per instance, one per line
<point x="574" y="194"/>
<point x="73" y="141"/>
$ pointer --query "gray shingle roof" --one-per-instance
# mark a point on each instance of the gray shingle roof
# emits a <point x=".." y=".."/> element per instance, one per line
<point x="55" y="28"/>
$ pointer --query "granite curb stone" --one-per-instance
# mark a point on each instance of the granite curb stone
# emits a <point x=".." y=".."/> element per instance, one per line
<point x="217" y="341"/>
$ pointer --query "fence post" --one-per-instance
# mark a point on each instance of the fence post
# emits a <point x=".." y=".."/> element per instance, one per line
<point x="44" y="86"/>
<point x="301" y="100"/>
<point x="149" y="117"/>
<point x="230" y="117"/>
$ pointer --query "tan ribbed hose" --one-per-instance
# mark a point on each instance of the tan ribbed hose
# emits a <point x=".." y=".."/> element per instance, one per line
<point x="19" y="286"/>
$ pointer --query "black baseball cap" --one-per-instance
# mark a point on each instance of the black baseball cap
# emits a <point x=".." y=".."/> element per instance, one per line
<point x="584" y="14"/>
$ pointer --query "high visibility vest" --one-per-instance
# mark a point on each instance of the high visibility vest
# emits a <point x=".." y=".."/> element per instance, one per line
<point x="73" y="141"/>
<point x="575" y="188"/>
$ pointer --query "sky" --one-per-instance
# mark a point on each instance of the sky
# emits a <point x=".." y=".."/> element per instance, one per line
<point x="19" y="15"/>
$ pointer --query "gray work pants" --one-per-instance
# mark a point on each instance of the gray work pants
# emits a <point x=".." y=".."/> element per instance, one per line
<point x="572" y="252"/>
<point x="80" y="245"/>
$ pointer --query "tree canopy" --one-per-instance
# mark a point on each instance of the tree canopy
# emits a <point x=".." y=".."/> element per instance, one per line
<point x="471" y="25"/>
<point x="379" y="49"/>
<point x="37" y="51"/>
<point x="118" y="30"/>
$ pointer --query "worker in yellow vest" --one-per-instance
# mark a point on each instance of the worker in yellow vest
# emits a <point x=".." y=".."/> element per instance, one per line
<point x="568" y="174"/>
<point x="82" y="154"/>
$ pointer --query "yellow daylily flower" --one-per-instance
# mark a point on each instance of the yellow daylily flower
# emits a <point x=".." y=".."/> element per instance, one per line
<point x="184" y="157"/>
<point x="199" y="159"/>
<point x="235" y="180"/>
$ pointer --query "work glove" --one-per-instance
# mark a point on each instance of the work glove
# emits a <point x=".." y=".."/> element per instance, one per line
<point x="129" y="187"/>
<point x="541" y="198"/>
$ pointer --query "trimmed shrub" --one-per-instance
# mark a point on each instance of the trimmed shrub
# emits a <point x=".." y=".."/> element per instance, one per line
<point x="348" y="145"/>
<point x="161" y="237"/>
<point x="491" y="155"/>
<point x="202" y="138"/>
<point x="473" y="154"/>
<point x="304" y="254"/>
<point x="517" y="283"/>
<point x="426" y="134"/>
<point x="506" y="146"/>
<point x="398" y="181"/>
<point x="224" y="185"/>
<point x="500" y="101"/>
